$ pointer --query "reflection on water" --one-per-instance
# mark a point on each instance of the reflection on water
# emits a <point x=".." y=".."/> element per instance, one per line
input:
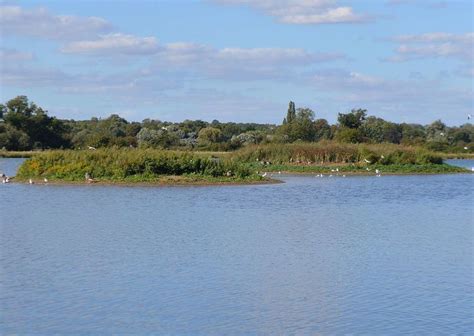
<point x="361" y="255"/>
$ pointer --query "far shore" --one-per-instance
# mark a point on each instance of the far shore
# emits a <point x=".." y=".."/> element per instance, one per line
<point x="28" y="154"/>
<point x="168" y="181"/>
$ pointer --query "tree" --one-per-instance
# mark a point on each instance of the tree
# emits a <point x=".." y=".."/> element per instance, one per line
<point x="322" y="129"/>
<point x="209" y="135"/>
<point x="379" y="130"/>
<point x="352" y="119"/>
<point x="42" y="130"/>
<point x="291" y="114"/>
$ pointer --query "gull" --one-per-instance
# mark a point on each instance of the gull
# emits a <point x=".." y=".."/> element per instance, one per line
<point x="5" y="178"/>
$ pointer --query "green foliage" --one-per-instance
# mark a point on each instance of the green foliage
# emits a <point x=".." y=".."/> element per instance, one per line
<point x="120" y="164"/>
<point x="209" y="135"/>
<point x="354" y="119"/>
<point x="13" y="139"/>
<point x="326" y="152"/>
<point x="349" y="135"/>
<point x="25" y="126"/>
<point x="33" y="127"/>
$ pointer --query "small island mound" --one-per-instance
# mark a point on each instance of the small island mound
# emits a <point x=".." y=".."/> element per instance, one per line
<point x="249" y="165"/>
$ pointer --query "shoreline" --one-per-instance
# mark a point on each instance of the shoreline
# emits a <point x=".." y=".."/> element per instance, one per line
<point x="164" y="183"/>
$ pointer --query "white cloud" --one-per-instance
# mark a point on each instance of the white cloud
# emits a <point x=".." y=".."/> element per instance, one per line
<point x="8" y="56"/>
<point x="411" y="100"/>
<point x="114" y="44"/>
<point x="39" y="22"/>
<point x="238" y="63"/>
<point x="433" y="45"/>
<point x="304" y="11"/>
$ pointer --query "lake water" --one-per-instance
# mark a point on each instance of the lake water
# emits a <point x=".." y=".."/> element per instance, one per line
<point x="356" y="255"/>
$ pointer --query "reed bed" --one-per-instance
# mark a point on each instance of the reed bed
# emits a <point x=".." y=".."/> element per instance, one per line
<point x="131" y="164"/>
<point x="327" y="152"/>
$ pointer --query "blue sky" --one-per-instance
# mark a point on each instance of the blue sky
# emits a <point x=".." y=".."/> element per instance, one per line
<point x="240" y="60"/>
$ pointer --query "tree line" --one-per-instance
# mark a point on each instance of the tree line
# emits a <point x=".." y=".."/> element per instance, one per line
<point x="26" y="126"/>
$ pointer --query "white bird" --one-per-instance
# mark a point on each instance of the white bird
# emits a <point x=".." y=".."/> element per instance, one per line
<point x="264" y="175"/>
<point x="469" y="116"/>
<point x="368" y="169"/>
<point x="442" y="134"/>
<point x="343" y="175"/>
<point x="30" y="181"/>
<point x="279" y="173"/>
<point x="45" y="180"/>
<point x="337" y="169"/>
<point x="382" y="157"/>
<point x="377" y="171"/>
<point x="366" y="160"/>
<point x="91" y="148"/>
<point x="466" y="148"/>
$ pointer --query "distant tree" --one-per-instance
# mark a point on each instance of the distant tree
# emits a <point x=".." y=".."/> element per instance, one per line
<point x="209" y="135"/>
<point x="350" y="135"/>
<point x="413" y="134"/>
<point x="156" y="138"/>
<point x="322" y="129"/>
<point x="291" y="114"/>
<point x="378" y="130"/>
<point x="42" y="130"/>
<point x="13" y="139"/>
<point x="353" y="119"/>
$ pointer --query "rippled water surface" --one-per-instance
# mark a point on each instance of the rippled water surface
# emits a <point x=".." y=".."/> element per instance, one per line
<point x="360" y="255"/>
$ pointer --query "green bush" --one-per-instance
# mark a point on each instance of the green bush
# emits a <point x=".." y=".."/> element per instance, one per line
<point x="117" y="164"/>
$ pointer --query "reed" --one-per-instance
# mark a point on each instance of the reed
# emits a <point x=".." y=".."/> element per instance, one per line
<point x="128" y="164"/>
<point x="328" y="152"/>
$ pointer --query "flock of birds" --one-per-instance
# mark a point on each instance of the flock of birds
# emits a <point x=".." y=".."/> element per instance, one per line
<point x="334" y="172"/>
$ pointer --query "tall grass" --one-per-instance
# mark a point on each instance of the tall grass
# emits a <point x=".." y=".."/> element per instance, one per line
<point x="119" y="164"/>
<point x="327" y="152"/>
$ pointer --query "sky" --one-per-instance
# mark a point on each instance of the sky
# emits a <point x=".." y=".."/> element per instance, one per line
<point x="240" y="60"/>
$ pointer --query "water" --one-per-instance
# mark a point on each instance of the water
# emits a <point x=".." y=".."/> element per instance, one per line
<point x="359" y="255"/>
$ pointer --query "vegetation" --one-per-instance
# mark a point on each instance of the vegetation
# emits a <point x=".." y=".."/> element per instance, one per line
<point x="132" y="165"/>
<point x="114" y="149"/>
<point x="26" y="126"/>
<point x="326" y="152"/>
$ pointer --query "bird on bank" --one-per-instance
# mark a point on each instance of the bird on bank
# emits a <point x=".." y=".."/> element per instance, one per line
<point x="45" y="180"/>
<point x="91" y="148"/>
<point x="30" y="181"/>
<point x="5" y="179"/>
